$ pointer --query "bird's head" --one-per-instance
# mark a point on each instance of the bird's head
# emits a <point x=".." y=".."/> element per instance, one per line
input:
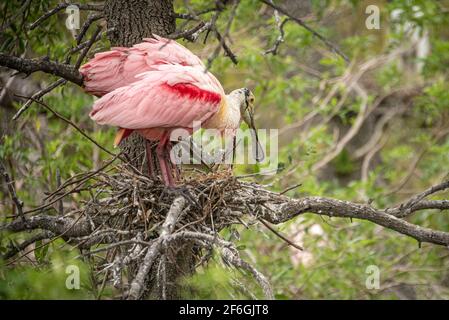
<point x="246" y="100"/>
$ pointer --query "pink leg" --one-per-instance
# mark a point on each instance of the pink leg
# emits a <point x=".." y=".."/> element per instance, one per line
<point x="161" y="151"/>
<point x="169" y="164"/>
<point x="173" y="167"/>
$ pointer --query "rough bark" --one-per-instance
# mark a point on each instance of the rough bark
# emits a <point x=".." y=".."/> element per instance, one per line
<point x="133" y="20"/>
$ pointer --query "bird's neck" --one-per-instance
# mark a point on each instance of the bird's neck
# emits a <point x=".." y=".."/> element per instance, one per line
<point x="228" y="116"/>
<point x="233" y="106"/>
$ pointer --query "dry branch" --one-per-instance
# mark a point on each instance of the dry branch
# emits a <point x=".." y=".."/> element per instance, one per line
<point x="137" y="221"/>
<point x="168" y="226"/>
<point x="29" y="66"/>
<point x="12" y="191"/>
<point x="61" y="6"/>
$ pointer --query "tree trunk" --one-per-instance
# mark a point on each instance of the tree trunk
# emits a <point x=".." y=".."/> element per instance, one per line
<point x="132" y="21"/>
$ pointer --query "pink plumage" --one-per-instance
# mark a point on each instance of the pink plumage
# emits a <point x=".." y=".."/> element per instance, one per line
<point x="170" y="96"/>
<point x="153" y="87"/>
<point x="119" y="67"/>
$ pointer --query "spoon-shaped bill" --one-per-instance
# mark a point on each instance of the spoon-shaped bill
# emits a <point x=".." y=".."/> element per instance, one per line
<point x="260" y="154"/>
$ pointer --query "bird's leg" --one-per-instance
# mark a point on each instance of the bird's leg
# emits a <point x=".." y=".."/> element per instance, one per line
<point x="234" y="140"/>
<point x="174" y="166"/>
<point x="151" y="170"/>
<point x="161" y="153"/>
<point x="168" y="161"/>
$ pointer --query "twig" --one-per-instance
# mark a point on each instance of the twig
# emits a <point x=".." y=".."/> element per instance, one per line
<point x="194" y="16"/>
<point x="416" y="199"/>
<point x="22" y="246"/>
<point x="188" y="34"/>
<point x="88" y="46"/>
<point x="12" y="191"/>
<point x="280" y="25"/>
<point x="232" y="257"/>
<point x="226" y="48"/>
<point x="60" y="116"/>
<point x="58" y="184"/>
<point x="85" y="43"/>
<point x="37" y="96"/>
<point x="29" y="66"/>
<point x="291" y="188"/>
<point x="196" y="34"/>
<point x="61" y="6"/>
<point x="329" y="44"/>
<point x="422" y="205"/>
<point x="221" y="38"/>
<point x="90" y="19"/>
<point x="288" y="241"/>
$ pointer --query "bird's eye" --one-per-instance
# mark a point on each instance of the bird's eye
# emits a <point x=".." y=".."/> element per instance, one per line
<point x="251" y="100"/>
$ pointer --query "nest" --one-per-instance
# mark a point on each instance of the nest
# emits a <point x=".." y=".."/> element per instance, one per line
<point x="139" y="203"/>
<point x="142" y="236"/>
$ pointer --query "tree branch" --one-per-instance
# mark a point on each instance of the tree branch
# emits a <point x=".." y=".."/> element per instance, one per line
<point x="138" y="283"/>
<point x="29" y="66"/>
<point x="14" y="249"/>
<point x="12" y="191"/>
<point x="61" y="6"/>
<point x="388" y="218"/>
<point x="55" y="224"/>
<point x="329" y="44"/>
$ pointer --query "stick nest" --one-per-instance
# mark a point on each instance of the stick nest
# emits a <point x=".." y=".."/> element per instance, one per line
<point x="142" y="233"/>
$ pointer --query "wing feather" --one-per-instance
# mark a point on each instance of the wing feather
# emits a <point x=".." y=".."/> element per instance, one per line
<point x="168" y="96"/>
<point x="119" y="67"/>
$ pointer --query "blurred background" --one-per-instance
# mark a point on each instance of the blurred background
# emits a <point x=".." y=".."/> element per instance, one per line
<point x="373" y="130"/>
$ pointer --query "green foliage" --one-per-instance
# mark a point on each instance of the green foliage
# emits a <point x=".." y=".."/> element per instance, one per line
<point x="343" y="163"/>
<point x="48" y="279"/>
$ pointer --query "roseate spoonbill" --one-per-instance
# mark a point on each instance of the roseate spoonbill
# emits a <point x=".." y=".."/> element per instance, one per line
<point x="158" y="86"/>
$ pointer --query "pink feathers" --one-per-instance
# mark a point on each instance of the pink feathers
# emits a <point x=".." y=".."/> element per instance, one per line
<point x="154" y="87"/>
<point x="119" y="67"/>
<point x="171" y="96"/>
<point x="191" y="92"/>
<point x="155" y="84"/>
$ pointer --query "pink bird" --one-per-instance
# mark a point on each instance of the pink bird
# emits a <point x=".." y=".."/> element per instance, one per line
<point x="158" y="86"/>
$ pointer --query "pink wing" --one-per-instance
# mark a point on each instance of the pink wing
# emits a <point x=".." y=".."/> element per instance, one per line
<point x="113" y="69"/>
<point x="170" y="96"/>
